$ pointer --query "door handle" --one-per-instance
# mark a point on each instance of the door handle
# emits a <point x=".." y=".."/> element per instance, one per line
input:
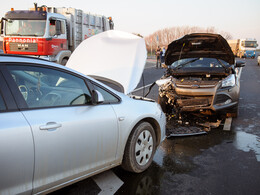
<point x="51" y="126"/>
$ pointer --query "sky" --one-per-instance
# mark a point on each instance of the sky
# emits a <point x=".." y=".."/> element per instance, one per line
<point x="240" y="18"/>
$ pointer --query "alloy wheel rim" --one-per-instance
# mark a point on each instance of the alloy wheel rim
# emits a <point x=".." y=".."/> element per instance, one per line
<point x="144" y="147"/>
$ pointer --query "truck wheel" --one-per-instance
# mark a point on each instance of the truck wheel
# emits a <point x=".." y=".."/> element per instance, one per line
<point x="64" y="61"/>
<point x="140" y="148"/>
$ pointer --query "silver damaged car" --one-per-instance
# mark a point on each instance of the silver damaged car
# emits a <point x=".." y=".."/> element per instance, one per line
<point x="59" y="126"/>
<point x="202" y="76"/>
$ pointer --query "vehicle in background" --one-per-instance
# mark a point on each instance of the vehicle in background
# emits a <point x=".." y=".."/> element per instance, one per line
<point x="202" y="76"/>
<point x="245" y="48"/>
<point x="50" y="32"/>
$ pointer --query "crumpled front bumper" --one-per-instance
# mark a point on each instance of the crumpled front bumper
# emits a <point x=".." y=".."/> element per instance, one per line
<point x="203" y="98"/>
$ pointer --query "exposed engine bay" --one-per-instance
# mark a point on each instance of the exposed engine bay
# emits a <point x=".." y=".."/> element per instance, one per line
<point x="187" y="93"/>
<point x="201" y="84"/>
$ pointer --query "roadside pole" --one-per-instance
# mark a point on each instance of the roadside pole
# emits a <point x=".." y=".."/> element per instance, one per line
<point x="157" y="40"/>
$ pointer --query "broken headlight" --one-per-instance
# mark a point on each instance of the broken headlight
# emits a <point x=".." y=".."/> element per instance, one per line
<point x="163" y="81"/>
<point x="230" y="81"/>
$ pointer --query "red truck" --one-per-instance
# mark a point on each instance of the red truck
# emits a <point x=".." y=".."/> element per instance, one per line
<point x="49" y="32"/>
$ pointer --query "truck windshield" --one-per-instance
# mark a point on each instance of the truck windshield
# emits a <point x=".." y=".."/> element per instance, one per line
<point x="25" y="27"/>
<point x="249" y="44"/>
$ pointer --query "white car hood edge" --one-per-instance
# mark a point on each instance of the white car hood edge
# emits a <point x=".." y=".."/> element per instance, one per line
<point x="116" y="55"/>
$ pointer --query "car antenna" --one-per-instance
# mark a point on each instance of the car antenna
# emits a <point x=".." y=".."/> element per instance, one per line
<point x="181" y="50"/>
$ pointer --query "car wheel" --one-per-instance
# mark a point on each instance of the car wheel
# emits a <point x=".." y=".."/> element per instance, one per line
<point x="140" y="148"/>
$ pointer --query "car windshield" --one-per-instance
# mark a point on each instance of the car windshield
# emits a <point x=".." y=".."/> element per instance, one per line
<point x="199" y="62"/>
<point x="25" y="27"/>
<point x="249" y="44"/>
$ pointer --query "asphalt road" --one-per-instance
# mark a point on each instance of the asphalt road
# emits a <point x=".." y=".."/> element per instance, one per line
<point x="221" y="162"/>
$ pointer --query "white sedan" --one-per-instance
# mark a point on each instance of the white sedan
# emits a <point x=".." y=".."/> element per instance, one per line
<point x="59" y="126"/>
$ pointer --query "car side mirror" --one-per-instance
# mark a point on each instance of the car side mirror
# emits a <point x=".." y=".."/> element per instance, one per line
<point x="97" y="97"/>
<point x="2" y="25"/>
<point x="240" y="64"/>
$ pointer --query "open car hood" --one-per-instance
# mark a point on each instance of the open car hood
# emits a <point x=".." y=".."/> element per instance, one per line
<point x="198" y="45"/>
<point x="112" y="56"/>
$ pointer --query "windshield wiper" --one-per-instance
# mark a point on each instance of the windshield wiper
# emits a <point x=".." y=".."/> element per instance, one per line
<point x="35" y="35"/>
<point x="15" y="34"/>
<point x="222" y="65"/>
<point x="181" y="65"/>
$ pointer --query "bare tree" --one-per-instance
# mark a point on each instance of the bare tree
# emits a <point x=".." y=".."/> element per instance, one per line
<point x="165" y="36"/>
<point x="226" y="35"/>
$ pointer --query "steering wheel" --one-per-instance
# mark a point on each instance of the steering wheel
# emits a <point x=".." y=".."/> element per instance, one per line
<point x="23" y="89"/>
<point x="51" y="99"/>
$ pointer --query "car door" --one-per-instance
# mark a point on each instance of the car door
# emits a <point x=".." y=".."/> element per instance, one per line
<point x="72" y="137"/>
<point x="16" y="146"/>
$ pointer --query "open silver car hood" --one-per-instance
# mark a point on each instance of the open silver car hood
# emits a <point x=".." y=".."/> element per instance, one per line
<point x="113" y="56"/>
<point x="199" y="45"/>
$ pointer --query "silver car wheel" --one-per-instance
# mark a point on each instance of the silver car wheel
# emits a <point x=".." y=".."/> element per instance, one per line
<point x="144" y="147"/>
<point x="140" y="148"/>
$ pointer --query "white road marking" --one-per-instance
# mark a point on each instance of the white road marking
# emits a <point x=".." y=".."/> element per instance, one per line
<point x="227" y="125"/>
<point x="142" y="87"/>
<point x="108" y="182"/>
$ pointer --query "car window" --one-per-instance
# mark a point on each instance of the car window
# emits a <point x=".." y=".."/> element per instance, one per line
<point x="113" y="85"/>
<point x="44" y="87"/>
<point x="108" y="98"/>
<point x="2" y="104"/>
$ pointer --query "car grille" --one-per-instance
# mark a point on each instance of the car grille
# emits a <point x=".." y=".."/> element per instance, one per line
<point x="195" y="101"/>
<point x="221" y="98"/>
<point x="196" y="84"/>
<point x="24" y="47"/>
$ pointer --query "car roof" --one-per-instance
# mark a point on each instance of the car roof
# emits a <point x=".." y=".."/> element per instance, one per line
<point x="27" y="60"/>
<point x="33" y="60"/>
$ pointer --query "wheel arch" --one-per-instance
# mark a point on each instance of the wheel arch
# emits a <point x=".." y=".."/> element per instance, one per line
<point x="155" y="125"/>
<point x="157" y="131"/>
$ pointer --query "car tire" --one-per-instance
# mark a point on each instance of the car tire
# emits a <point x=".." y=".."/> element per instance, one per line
<point x="162" y="101"/>
<point x="140" y="148"/>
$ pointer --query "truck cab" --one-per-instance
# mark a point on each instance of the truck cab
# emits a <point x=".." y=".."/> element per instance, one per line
<point x="248" y="48"/>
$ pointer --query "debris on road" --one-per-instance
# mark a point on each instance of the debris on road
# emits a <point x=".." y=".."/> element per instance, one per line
<point x="191" y="124"/>
<point x="227" y="125"/>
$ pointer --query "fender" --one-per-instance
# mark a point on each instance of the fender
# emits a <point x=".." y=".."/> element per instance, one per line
<point x="61" y="55"/>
